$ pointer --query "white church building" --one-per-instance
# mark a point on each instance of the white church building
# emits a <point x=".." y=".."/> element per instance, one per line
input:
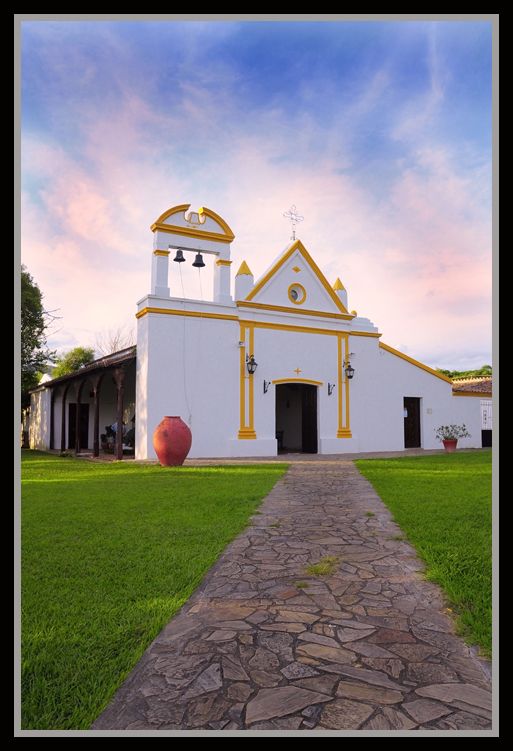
<point x="277" y="364"/>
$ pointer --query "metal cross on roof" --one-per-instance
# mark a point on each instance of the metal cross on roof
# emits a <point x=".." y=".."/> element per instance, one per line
<point x="294" y="218"/>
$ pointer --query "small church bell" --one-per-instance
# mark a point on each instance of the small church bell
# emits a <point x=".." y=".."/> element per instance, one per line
<point x="179" y="257"/>
<point x="198" y="261"/>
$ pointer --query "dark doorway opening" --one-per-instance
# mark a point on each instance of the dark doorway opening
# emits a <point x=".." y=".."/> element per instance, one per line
<point x="83" y="420"/>
<point x="411" y="422"/>
<point x="296" y="417"/>
<point x="486" y="439"/>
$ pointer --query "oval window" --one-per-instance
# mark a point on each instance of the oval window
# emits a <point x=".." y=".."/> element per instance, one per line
<point x="297" y="294"/>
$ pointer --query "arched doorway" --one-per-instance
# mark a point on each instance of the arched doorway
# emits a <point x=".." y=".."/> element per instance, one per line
<point x="296" y="417"/>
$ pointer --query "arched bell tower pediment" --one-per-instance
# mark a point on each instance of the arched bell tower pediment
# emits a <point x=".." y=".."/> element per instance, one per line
<point x="198" y="231"/>
<point x="203" y="225"/>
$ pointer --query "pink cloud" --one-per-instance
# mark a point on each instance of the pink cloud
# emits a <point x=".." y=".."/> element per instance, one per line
<point x="414" y="263"/>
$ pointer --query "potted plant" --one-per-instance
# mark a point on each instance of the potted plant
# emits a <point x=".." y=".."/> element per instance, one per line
<point x="449" y="435"/>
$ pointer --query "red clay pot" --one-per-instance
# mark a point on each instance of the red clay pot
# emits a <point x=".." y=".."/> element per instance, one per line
<point x="450" y="445"/>
<point x="172" y="441"/>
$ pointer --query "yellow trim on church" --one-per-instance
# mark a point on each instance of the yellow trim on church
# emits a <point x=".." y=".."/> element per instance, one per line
<point x="251" y="382"/>
<point x="285" y="309"/>
<point x="257" y="324"/>
<point x="187" y="313"/>
<point x="296" y="286"/>
<point x="226" y="236"/>
<point x="212" y="214"/>
<point x="174" y="229"/>
<point x="344" y="429"/>
<point x="246" y="431"/>
<point x="173" y="210"/>
<point x="298" y="380"/>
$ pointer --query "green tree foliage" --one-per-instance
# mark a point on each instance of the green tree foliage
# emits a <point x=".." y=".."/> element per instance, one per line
<point x="34" y="353"/>
<point x="72" y="361"/>
<point x="485" y="370"/>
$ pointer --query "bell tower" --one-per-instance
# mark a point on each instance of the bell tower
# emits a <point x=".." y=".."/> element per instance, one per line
<point x="181" y="231"/>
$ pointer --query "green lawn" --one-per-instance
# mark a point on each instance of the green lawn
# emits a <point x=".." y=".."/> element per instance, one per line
<point x="443" y="505"/>
<point x="109" y="553"/>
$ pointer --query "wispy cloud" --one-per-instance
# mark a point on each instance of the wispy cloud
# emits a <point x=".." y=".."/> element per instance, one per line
<point x="393" y="204"/>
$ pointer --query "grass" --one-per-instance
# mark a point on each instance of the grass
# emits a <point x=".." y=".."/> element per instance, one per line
<point x="109" y="553"/>
<point x="324" y="567"/>
<point x="443" y="505"/>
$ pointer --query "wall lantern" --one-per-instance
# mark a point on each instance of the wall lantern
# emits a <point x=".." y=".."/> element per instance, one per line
<point x="251" y="364"/>
<point x="331" y="388"/>
<point x="266" y="386"/>
<point x="348" y="370"/>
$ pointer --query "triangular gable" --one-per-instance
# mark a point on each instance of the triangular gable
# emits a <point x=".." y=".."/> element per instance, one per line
<point x="295" y="268"/>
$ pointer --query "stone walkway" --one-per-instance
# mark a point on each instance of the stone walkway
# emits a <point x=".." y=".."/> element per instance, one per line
<point x="262" y="644"/>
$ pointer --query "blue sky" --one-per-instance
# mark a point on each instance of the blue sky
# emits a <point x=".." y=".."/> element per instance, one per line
<point x="379" y="132"/>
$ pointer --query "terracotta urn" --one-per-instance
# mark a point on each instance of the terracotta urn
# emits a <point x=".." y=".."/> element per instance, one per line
<point x="450" y="444"/>
<point x="172" y="441"/>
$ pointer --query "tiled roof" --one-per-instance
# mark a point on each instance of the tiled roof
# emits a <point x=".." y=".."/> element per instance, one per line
<point x="474" y="385"/>
<point x="108" y="361"/>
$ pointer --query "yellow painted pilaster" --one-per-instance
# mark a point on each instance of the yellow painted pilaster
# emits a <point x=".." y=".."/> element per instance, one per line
<point x="344" y="430"/>
<point x="245" y="431"/>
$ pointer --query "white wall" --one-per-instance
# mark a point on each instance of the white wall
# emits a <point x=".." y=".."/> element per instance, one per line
<point x="279" y="354"/>
<point x="206" y="393"/>
<point x="381" y="382"/>
<point x="188" y="367"/>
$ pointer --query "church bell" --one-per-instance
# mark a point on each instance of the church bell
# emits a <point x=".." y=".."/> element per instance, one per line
<point x="179" y="257"/>
<point x="198" y="261"/>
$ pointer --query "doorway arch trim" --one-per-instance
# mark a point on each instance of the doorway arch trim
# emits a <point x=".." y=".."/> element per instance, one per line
<point x="298" y="380"/>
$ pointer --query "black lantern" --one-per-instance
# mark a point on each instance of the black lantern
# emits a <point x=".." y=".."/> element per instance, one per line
<point x="179" y="257"/>
<point x="348" y="370"/>
<point x="251" y="364"/>
<point x="198" y="261"/>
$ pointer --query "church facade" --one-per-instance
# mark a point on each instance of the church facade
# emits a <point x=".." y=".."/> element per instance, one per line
<point x="269" y="365"/>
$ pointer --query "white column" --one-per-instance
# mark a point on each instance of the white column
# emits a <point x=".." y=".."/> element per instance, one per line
<point x="243" y="282"/>
<point x="159" y="273"/>
<point x="222" y="281"/>
<point x="341" y="293"/>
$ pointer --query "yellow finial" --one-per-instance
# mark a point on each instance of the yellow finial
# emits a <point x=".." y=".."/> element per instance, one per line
<point x="354" y="313"/>
<point x="244" y="270"/>
<point x="338" y="285"/>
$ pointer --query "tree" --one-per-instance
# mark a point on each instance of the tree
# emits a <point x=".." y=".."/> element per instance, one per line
<point x="485" y="370"/>
<point x="114" y="340"/>
<point x="72" y="361"/>
<point x="34" y="321"/>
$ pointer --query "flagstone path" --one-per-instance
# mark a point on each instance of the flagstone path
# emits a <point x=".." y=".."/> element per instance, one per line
<point x="264" y="645"/>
